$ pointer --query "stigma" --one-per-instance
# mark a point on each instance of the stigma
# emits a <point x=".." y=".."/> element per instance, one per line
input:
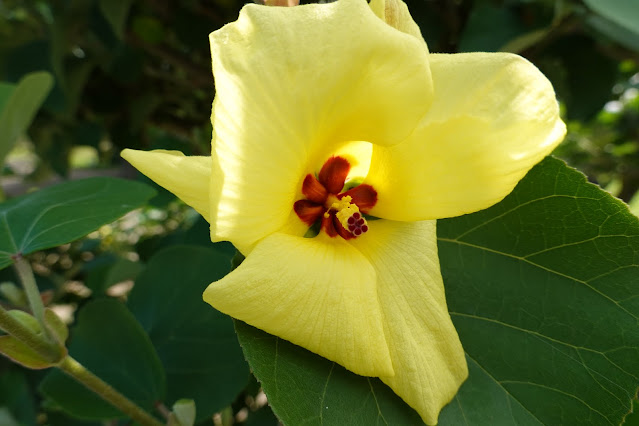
<point x="349" y="216"/>
<point x="338" y="212"/>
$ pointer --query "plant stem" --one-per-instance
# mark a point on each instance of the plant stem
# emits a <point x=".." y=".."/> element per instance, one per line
<point x="25" y="273"/>
<point x="38" y="343"/>
<point x="76" y="370"/>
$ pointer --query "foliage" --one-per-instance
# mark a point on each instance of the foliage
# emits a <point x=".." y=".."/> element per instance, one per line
<point x="542" y="287"/>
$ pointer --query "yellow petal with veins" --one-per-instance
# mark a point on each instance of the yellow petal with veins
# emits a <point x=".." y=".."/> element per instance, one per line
<point x="293" y="85"/>
<point x="427" y="355"/>
<point x="493" y="118"/>
<point x="186" y="177"/>
<point x="318" y="293"/>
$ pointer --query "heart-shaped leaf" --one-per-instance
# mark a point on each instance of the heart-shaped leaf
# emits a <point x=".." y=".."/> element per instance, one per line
<point x="543" y="289"/>
<point x="304" y="388"/>
<point x="62" y="213"/>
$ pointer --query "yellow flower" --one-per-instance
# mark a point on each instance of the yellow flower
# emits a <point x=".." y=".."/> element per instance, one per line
<point x="327" y="117"/>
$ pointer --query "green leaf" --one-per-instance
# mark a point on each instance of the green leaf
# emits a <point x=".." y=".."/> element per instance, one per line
<point x="628" y="38"/>
<point x="16" y="396"/>
<point x="542" y="289"/>
<point x="65" y="212"/>
<point x="116" y="13"/>
<point x="18" y="109"/>
<point x="109" y="342"/>
<point x="304" y="388"/>
<point x="632" y="419"/>
<point x="196" y="343"/>
<point x="584" y="93"/>
<point x="6" y="90"/>
<point x="622" y="12"/>
<point x="489" y="28"/>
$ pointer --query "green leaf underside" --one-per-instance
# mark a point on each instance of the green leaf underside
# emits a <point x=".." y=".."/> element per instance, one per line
<point x="543" y="290"/>
<point x="622" y="12"/>
<point x="196" y="343"/>
<point x="59" y="214"/>
<point x="108" y="341"/>
<point x="544" y="293"/>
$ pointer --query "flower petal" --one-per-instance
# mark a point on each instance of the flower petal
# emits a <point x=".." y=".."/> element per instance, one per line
<point x="494" y="117"/>
<point x="395" y="13"/>
<point x="308" y="211"/>
<point x="333" y="174"/>
<point x="318" y="293"/>
<point x="293" y="84"/>
<point x="186" y="177"/>
<point x="314" y="190"/>
<point x="428" y="358"/>
<point x="363" y="195"/>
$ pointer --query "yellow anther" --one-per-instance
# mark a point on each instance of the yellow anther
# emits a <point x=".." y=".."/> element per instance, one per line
<point x="345" y="210"/>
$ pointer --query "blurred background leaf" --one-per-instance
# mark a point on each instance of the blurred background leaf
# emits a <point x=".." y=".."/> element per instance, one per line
<point x="196" y="344"/>
<point x="110" y="343"/>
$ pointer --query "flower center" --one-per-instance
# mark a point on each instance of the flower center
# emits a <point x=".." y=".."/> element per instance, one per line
<point x="329" y="207"/>
<point x="349" y="216"/>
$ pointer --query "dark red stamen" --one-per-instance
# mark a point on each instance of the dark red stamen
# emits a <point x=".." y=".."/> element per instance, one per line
<point x="364" y="196"/>
<point x="343" y="232"/>
<point x="308" y="211"/>
<point x="333" y="174"/>
<point x="328" y="225"/>
<point x="313" y="190"/>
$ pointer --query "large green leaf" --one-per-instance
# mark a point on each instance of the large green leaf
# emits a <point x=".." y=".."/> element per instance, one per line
<point x="109" y="342"/>
<point x="18" y="107"/>
<point x="544" y="291"/>
<point x="197" y="344"/>
<point x="65" y="212"/>
<point x="304" y="388"/>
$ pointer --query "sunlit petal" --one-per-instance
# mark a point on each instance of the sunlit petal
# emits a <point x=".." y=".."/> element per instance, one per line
<point x="318" y="293"/>
<point x="427" y="356"/>
<point x="293" y="84"/>
<point x="494" y="117"/>
<point x="186" y="177"/>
